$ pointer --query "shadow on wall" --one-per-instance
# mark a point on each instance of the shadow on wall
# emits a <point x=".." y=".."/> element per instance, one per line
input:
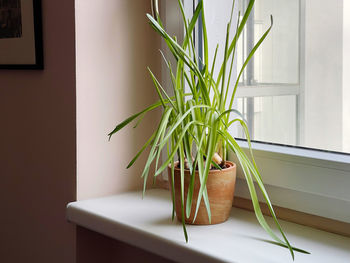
<point x="99" y="248"/>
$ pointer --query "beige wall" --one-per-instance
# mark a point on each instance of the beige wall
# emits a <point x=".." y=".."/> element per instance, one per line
<point x="115" y="44"/>
<point x="37" y="148"/>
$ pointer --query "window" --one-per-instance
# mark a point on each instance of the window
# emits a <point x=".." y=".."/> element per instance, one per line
<point x="296" y="91"/>
<point x="269" y="91"/>
<point x="307" y="51"/>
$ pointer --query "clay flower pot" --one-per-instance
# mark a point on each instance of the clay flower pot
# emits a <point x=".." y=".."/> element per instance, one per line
<point x="220" y="187"/>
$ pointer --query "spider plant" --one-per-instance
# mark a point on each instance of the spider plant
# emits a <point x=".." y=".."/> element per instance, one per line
<point x="194" y="126"/>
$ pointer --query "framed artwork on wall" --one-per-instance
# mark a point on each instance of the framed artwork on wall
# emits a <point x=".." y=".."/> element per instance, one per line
<point x="21" y="43"/>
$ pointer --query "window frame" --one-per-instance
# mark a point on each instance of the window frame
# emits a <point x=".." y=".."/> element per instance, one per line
<point x="301" y="179"/>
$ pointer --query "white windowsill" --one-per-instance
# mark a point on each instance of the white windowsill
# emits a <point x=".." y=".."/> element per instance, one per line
<point x="147" y="224"/>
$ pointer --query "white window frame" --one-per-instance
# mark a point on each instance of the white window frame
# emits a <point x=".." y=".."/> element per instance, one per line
<point x="311" y="181"/>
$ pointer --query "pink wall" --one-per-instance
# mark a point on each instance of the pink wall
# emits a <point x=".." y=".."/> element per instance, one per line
<point x="38" y="146"/>
<point x="115" y="44"/>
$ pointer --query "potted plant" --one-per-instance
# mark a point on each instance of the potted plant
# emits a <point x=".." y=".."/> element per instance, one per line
<point x="193" y="127"/>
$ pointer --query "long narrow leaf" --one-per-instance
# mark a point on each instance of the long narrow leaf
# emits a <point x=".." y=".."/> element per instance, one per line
<point x="140" y="152"/>
<point x="133" y="117"/>
<point x="210" y="153"/>
<point x="238" y="33"/>
<point x="248" y="170"/>
<point x="152" y="154"/>
<point x="251" y="54"/>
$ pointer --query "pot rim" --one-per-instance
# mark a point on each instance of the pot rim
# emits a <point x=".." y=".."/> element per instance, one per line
<point x="231" y="167"/>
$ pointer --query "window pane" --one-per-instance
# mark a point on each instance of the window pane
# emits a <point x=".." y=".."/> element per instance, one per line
<point x="296" y="90"/>
<point x="277" y="59"/>
<point x="274" y="118"/>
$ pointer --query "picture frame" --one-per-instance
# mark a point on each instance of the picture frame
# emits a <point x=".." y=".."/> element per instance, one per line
<point x="21" y="41"/>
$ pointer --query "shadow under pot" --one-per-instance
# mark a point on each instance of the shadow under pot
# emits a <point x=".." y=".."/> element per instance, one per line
<point x="220" y="188"/>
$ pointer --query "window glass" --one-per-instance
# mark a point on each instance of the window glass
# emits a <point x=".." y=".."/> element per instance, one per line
<point x="296" y="90"/>
<point x="274" y="118"/>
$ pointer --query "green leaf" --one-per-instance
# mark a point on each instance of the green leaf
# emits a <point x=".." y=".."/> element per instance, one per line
<point x="251" y="54"/>
<point x="152" y="154"/>
<point x="249" y="171"/>
<point x="133" y="117"/>
<point x="140" y="152"/>
<point x="210" y="153"/>
<point x="182" y="174"/>
<point x="238" y="33"/>
<point x="178" y="144"/>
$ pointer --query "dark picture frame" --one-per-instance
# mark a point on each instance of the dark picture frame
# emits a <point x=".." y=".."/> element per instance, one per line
<point x="21" y="40"/>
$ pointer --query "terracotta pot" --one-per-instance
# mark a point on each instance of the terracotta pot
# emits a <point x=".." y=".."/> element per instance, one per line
<point x="220" y="187"/>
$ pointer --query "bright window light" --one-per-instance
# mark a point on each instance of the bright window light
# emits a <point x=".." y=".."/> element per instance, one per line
<point x="296" y="90"/>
